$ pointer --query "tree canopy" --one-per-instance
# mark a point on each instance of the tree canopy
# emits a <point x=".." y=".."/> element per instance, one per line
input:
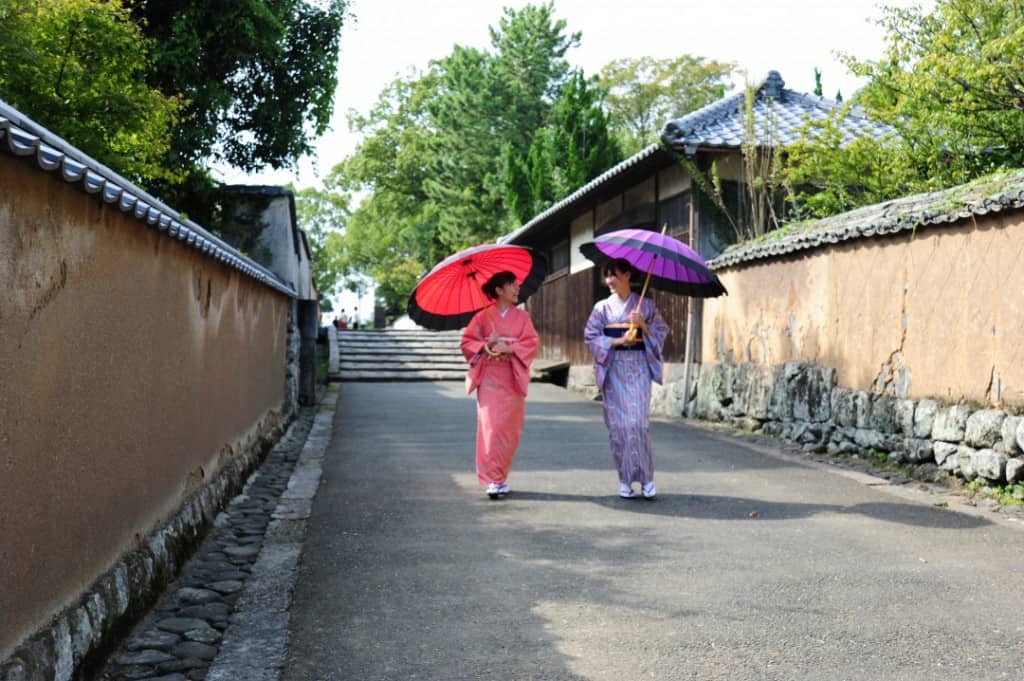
<point x="79" y="67"/>
<point x="459" y="153"/>
<point x="258" y="76"/>
<point x="951" y="85"/>
<point x="646" y="93"/>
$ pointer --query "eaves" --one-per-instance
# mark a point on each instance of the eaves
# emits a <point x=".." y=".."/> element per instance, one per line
<point x="25" y="139"/>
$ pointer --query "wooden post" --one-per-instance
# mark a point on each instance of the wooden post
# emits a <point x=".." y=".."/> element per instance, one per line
<point x="688" y="341"/>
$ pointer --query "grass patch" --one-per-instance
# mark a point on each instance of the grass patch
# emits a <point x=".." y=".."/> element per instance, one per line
<point x="1004" y="495"/>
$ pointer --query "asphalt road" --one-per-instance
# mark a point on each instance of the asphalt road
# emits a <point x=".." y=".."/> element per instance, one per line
<point x="749" y="565"/>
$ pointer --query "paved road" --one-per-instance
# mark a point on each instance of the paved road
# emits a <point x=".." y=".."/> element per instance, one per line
<point x="749" y="565"/>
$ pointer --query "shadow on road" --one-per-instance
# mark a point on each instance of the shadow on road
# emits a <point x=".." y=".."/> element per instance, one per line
<point x="711" y="507"/>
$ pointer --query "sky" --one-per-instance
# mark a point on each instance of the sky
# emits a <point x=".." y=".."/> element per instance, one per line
<point x="386" y="38"/>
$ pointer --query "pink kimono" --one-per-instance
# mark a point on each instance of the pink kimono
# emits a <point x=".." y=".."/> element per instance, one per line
<point x="501" y="387"/>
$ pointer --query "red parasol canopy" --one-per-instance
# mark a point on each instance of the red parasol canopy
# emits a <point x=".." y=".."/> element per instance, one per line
<point x="450" y="294"/>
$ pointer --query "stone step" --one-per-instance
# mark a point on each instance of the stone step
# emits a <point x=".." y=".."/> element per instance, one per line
<point x="401" y="336"/>
<point x="388" y="345"/>
<point x="388" y="351"/>
<point x="389" y="355"/>
<point x="384" y="376"/>
<point x="404" y="366"/>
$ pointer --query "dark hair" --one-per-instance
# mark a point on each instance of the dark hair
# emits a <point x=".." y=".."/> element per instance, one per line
<point x="496" y="281"/>
<point x="618" y="266"/>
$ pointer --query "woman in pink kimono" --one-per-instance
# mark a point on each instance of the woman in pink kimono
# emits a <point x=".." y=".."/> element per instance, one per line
<point x="499" y="345"/>
<point x="624" y="371"/>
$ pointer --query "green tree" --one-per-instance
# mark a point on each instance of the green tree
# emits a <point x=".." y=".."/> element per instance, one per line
<point x="489" y="106"/>
<point x="645" y="93"/>
<point x="432" y="168"/>
<point x="575" y="146"/>
<point x="258" y="75"/>
<point x="950" y="84"/>
<point x="392" y="234"/>
<point x="78" y="67"/>
<point x="322" y="215"/>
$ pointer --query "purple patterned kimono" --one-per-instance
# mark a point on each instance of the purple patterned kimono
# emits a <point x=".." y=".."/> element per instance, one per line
<point x="624" y="379"/>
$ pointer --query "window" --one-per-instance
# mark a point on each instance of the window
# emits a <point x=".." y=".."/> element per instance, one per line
<point x="558" y="256"/>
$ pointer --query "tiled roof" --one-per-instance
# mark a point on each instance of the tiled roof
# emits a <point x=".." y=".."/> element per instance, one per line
<point x="24" y="138"/>
<point x="586" y="189"/>
<point x="779" y="115"/>
<point x="987" y="195"/>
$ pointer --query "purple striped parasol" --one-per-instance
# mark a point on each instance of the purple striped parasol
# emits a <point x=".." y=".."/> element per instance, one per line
<point x="673" y="266"/>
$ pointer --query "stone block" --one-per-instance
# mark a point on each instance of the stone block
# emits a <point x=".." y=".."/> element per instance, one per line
<point x="965" y="462"/>
<point x="883" y="414"/>
<point x="943" y="451"/>
<point x="1008" y="436"/>
<point x="989" y="464"/>
<point x="862" y="409"/>
<point x="1014" y="470"/>
<point x="905" y="417"/>
<point x="810" y="388"/>
<point x="760" y="382"/>
<point x="918" y="450"/>
<point x="924" y="417"/>
<point x="950" y="423"/>
<point x="780" y="407"/>
<point x="870" y="439"/>
<point x="984" y="428"/>
<point x="841" y="402"/>
<point x="746" y="423"/>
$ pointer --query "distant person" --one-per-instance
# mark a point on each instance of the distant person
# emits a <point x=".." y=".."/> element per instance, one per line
<point x="624" y="371"/>
<point x="499" y="343"/>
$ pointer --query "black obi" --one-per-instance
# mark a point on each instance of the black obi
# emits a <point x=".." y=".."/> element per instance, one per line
<point x="619" y="331"/>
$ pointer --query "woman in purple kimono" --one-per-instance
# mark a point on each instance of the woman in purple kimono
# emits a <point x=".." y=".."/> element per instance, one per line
<point x="624" y="370"/>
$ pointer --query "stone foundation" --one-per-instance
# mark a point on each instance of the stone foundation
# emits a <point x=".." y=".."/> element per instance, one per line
<point x="801" y="403"/>
<point x="83" y="632"/>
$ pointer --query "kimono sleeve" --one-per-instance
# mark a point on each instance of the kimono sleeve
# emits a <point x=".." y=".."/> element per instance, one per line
<point x="593" y="335"/>
<point x="525" y="348"/>
<point x="474" y="338"/>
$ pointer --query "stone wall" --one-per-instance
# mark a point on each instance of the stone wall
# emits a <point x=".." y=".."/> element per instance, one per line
<point x="801" y="403"/>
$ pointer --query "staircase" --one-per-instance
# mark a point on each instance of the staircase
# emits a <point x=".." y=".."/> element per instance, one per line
<point x="392" y="355"/>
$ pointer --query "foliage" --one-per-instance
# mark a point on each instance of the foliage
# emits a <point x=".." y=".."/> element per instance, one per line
<point x="457" y="154"/>
<point x="393" y="229"/>
<point x="322" y="215"/>
<point x="827" y="176"/>
<point x="78" y="68"/>
<point x="573" y="148"/>
<point x="645" y="93"/>
<point x="951" y="86"/>
<point x="755" y="207"/>
<point x="258" y="75"/>
<point x="490" y="105"/>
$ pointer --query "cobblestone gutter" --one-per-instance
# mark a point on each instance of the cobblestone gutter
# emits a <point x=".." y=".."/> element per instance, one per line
<point x="801" y="403"/>
<point x="82" y="635"/>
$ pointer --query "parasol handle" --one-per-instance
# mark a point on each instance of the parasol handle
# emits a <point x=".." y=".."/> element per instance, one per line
<point x="631" y="331"/>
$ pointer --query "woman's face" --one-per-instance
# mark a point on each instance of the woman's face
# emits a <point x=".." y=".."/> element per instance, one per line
<point x="618" y="282"/>
<point x="508" y="294"/>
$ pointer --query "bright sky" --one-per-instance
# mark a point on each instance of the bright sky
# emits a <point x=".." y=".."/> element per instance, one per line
<point x="389" y="37"/>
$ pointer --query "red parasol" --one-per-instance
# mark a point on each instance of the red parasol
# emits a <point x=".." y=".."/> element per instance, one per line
<point x="450" y="294"/>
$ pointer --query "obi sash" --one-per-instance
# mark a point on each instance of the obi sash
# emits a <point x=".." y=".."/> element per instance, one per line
<point x="618" y="331"/>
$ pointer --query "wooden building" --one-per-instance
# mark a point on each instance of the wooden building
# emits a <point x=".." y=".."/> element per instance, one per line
<point x="653" y="189"/>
